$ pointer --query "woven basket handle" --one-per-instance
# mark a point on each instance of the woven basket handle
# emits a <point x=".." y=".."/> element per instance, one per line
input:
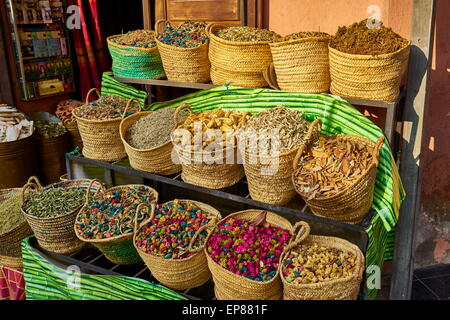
<point x="89" y="93"/>
<point x="66" y="121"/>
<point x="30" y="186"/>
<point x="376" y="150"/>
<point x="209" y="28"/>
<point x="200" y="230"/>
<point x="271" y="77"/>
<point x="34" y="179"/>
<point x="309" y="134"/>
<point x="88" y="190"/>
<point x="129" y="104"/>
<point x="144" y="222"/>
<point x="299" y="237"/>
<point x="157" y="23"/>
<point x="177" y="114"/>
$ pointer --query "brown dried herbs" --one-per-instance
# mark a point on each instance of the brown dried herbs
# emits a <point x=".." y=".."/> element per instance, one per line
<point x="302" y="35"/>
<point x="247" y="34"/>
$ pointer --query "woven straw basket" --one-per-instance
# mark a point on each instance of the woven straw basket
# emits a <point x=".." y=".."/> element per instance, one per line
<point x="368" y="77"/>
<point x="184" y="64"/>
<point x="230" y="286"/>
<point x="10" y="241"/>
<point x="353" y="203"/>
<point x="180" y="274"/>
<point x="241" y="63"/>
<point x="72" y="128"/>
<point x="340" y="289"/>
<point x="117" y="249"/>
<point x="302" y="65"/>
<point x="55" y="234"/>
<point x="101" y="138"/>
<point x="274" y="187"/>
<point x="135" y="62"/>
<point x="156" y="160"/>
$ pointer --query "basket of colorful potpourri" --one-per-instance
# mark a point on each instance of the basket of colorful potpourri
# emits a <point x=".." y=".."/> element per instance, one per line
<point x="107" y="220"/>
<point x="184" y="51"/>
<point x="243" y="254"/>
<point x="99" y="123"/>
<point x="171" y="242"/>
<point x="321" y="268"/>
<point x="135" y="55"/>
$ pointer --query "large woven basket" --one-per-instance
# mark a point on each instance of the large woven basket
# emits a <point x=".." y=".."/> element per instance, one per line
<point x="353" y="203"/>
<point x="302" y="65"/>
<point x="340" y="289"/>
<point x="135" y="62"/>
<point x="184" y="64"/>
<point x="10" y="241"/>
<point x="371" y="77"/>
<point x="271" y="184"/>
<point x="74" y="133"/>
<point x="101" y="138"/>
<point x="156" y="160"/>
<point x="230" y="286"/>
<point x="241" y="63"/>
<point x="56" y="234"/>
<point x="180" y="274"/>
<point x="117" y="249"/>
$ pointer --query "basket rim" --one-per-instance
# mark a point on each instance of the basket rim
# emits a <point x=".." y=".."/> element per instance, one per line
<point x="406" y="46"/>
<point x="111" y="121"/>
<point x="15" y="191"/>
<point x="118" y="237"/>
<point x="167" y="46"/>
<point x="372" y="166"/>
<point x="121" y="46"/>
<point x="295" y="41"/>
<point x="236" y="43"/>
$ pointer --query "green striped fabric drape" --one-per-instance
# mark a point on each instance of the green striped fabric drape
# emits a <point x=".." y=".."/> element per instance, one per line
<point x="111" y="86"/>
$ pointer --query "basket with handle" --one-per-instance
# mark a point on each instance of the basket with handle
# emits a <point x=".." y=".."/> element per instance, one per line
<point x="351" y="204"/>
<point x="346" y="288"/>
<point x="269" y="184"/>
<point x="117" y="249"/>
<point x="135" y="62"/>
<point x="180" y="274"/>
<point x="74" y="133"/>
<point x="11" y="240"/>
<point x="184" y="64"/>
<point x="230" y="286"/>
<point x="56" y="233"/>
<point x="101" y="138"/>
<point x="157" y="159"/>
<point x="241" y="63"/>
<point x="302" y="65"/>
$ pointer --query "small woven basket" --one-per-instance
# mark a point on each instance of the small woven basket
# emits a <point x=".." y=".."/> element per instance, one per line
<point x="353" y="203"/>
<point x="156" y="160"/>
<point x="180" y="274"/>
<point x="371" y="77"/>
<point x="55" y="234"/>
<point x="230" y="286"/>
<point x="10" y="241"/>
<point x="101" y="138"/>
<point x="340" y="289"/>
<point x="302" y="65"/>
<point x="241" y="63"/>
<point x="267" y="185"/>
<point x="117" y="249"/>
<point x="74" y="133"/>
<point x="184" y="64"/>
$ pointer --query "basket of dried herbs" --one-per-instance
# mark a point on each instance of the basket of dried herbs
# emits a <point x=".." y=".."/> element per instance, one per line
<point x="367" y="63"/>
<point x="99" y="122"/>
<point x="336" y="176"/>
<point x="51" y="212"/>
<point x="268" y="145"/>
<point x="13" y="228"/>
<point x="301" y="62"/>
<point x="239" y="54"/>
<point x="184" y="50"/>
<point x="146" y="137"/>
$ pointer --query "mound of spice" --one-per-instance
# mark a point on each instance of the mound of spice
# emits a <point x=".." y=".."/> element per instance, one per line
<point x="249" y="250"/>
<point x="64" y="110"/>
<point x="153" y="129"/>
<point x="189" y="34"/>
<point x="313" y="264"/>
<point x="54" y="202"/>
<point x="112" y="213"/>
<point x="49" y="129"/>
<point x="171" y="230"/>
<point x="331" y="165"/>
<point x="247" y="34"/>
<point x="359" y="39"/>
<point x="278" y="129"/>
<point x="10" y="215"/>
<point x="302" y="35"/>
<point x="106" y="108"/>
<point x="137" y="38"/>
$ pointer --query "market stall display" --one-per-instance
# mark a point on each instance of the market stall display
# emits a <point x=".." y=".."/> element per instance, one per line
<point x="184" y="51"/>
<point x="171" y="245"/>
<point x="135" y="55"/>
<point x="64" y="113"/>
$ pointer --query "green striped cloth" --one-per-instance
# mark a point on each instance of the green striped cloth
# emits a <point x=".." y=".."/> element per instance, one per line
<point x="45" y="281"/>
<point x="111" y="86"/>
